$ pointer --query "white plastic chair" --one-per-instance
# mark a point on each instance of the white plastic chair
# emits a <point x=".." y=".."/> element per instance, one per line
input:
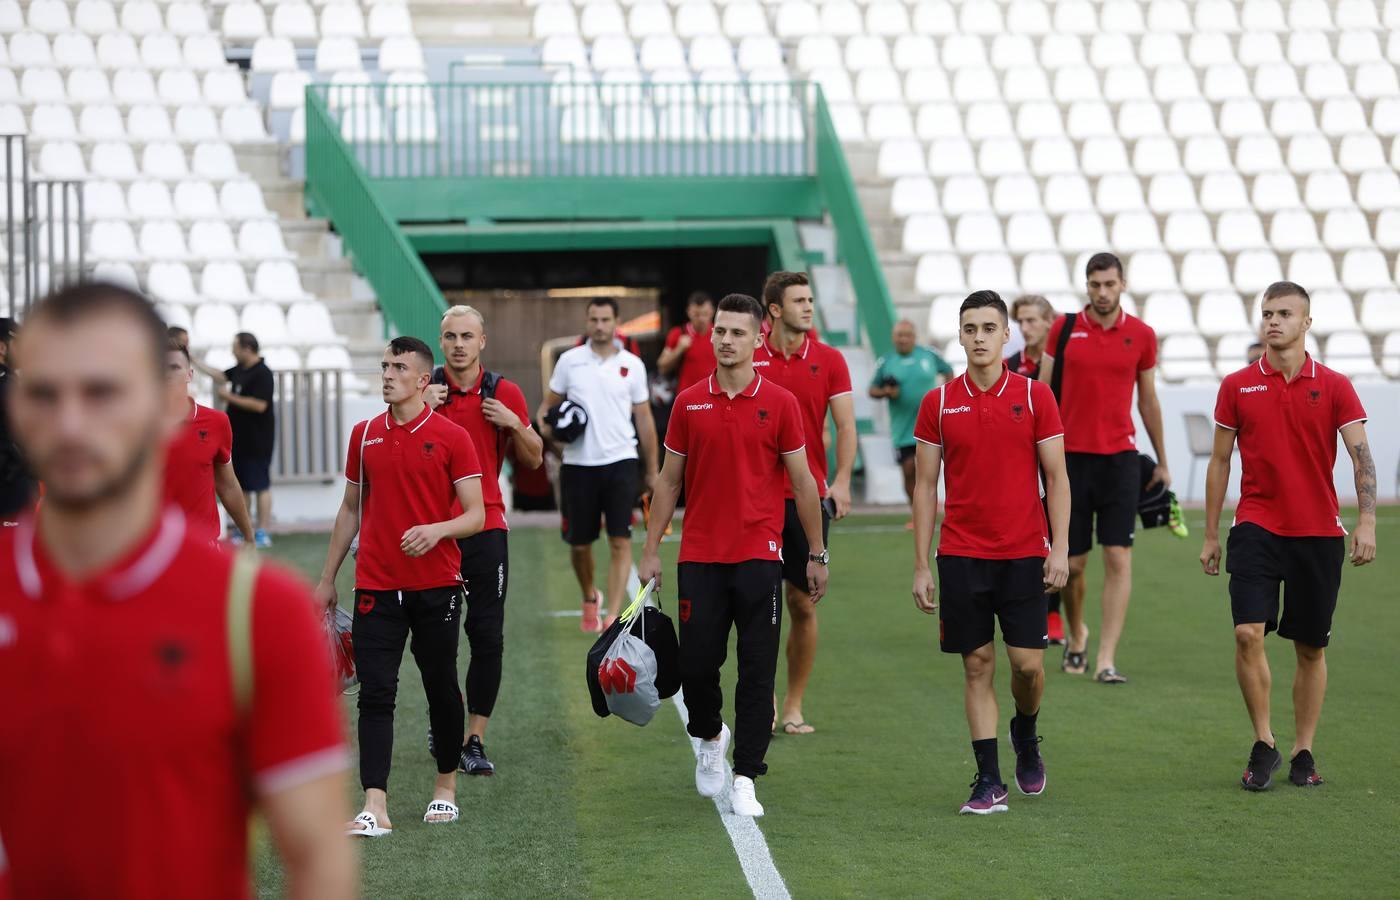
<point x="1347" y="229"/>
<point x="225" y="282"/>
<point x="243" y="21"/>
<point x="1349" y="353"/>
<point x="172" y="282"/>
<point x="195" y="123"/>
<point x="338" y="54"/>
<point x="150" y="200"/>
<point x="214" y="323"/>
<point x="194" y="200"/>
<point x="1220" y="313"/>
<point x="279" y="281"/>
<point x="401" y="53"/>
<point x="112" y="240"/>
<point x="104" y="200"/>
<point x="1256" y="270"/>
<point x="214" y="161"/>
<point x="1172" y="192"/>
<point x="1168" y="313"/>
<point x="242" y="199"/>
<point x="939" y="273"/>
<point x="1240" y="230"/>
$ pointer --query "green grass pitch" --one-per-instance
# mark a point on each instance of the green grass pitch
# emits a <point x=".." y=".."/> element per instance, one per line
<point x="1143" y="793"/>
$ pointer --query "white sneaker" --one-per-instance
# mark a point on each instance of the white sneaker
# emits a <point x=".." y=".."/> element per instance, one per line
<point x="745" y="803"/>
<point x="710" y="768"/>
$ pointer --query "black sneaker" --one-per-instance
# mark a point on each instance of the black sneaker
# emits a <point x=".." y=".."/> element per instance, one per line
<point x="1303" y="771"/>
<point x="1263" y="763"/>
<point x="1030" y="767"/>
<point x="474" y="761"/>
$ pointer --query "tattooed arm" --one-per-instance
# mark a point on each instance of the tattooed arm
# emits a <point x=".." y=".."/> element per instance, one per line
<point x="1363" y="542"/>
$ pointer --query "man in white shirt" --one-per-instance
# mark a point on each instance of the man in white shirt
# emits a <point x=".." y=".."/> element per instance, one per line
<point x="599" y="476"/>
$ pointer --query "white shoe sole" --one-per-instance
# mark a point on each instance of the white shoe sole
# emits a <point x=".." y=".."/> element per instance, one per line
<point x="998" y="808"/>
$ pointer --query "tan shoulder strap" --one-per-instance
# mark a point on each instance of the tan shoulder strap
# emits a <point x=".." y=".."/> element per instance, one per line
<point x="240" y="628"/>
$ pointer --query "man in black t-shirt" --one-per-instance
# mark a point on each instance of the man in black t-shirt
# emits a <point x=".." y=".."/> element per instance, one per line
<point x="248" y="389"/>
<point x="16" y="485"/>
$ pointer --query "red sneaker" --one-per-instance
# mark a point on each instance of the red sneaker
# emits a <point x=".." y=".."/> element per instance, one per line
<point x="590" y="624"/>
<point x="1055" y="628"/>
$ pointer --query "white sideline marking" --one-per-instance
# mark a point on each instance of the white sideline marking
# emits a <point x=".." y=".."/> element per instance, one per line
<point x="762" y="875"/>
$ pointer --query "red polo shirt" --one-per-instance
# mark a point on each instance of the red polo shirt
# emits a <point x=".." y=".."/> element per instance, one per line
<point x="698" y="361"/>
<point x="205" y="441"/>
<point x="128" y="674"/>
<point x="464" y="408"/>
<point x="409" y="478"/>
<point x="814" y="375"/>
<point x="1101" y="367"/>
<point x="991" y="465"/>
<point x="733" y="449"/>
<point x="1287" y="432"/>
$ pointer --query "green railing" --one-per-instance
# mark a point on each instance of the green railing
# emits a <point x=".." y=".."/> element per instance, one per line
<point x="339" y="189"/>
<point x="571" y="127"/>
<point x="874" y="306"/>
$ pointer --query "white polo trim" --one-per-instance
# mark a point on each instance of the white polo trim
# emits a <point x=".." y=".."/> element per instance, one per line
<point x="302" y="770"/>
<point x="790" y="452"/>
<point x="670" y="449"/>
<point x="467" y="478"/>
<point x="1352" y="422"/>
<point x="1051" y="438"/>
<point x="1223" y="425"/>
<point x="930" y="443"/>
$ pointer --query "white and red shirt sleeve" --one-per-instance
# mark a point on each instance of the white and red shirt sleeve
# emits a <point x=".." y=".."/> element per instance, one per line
<point x="1047" y="412"/>
<point x="928" y="425"/>
<point x="295" y="733"/>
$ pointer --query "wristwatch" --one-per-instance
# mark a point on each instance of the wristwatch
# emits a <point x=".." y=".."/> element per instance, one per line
<point x="822" y="558"/>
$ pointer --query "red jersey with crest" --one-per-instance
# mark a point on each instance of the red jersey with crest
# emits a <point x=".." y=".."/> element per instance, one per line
<point x="733" y="449"/>
<point x="991" y="464"/>
<point x="814" y="374"/>
<point x="203" y="442"/>
<point x="409" y="478"/>
<point x="699" y="359"/>
<point x="463" y="407"/>
<point x="129" y="666"/>
<point x="1287" y="432"/>
<point x="1101" y="367"/>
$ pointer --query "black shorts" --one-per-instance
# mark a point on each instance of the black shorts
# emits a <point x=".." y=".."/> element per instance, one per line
<point x="253" y="473"/>
<point x="592" y="493"/>
<point x="1310" y="569"/>
<point x="975" y="593"/>
<point x="1102" y="486"/>
<point x="795" y="547"/>
<point x="904" y="454"/>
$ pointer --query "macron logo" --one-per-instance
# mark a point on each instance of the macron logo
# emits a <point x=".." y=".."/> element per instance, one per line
<point x="379" y="440"/>
<point x="697" y="407"/>
<point x="956" y="409"/>
<point x="759" y="362"/>
<point x="1078" y="334"/>
<point x="1254" y="387"/>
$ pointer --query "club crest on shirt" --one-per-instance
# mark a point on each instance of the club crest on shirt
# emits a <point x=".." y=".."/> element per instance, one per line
<point x="203" y="435"/>
<point x="1018" y="412"/>
<point x="762" y="418"/>
<point x="1314" y="397"/>
<point x="428" y="449"/>
<point x="623" y="370"/>
<point x="1127" y="342"/>
<point x="813" y="370"/>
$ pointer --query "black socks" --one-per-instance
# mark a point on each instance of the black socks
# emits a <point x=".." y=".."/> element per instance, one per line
<point x="985" y="752"/>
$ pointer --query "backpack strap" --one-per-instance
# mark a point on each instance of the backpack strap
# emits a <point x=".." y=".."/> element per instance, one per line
<point x="1057" y="371"/>
<point x="240" y="628"/>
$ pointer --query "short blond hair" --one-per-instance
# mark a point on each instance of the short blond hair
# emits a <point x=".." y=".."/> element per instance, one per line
<point x="1047" y="311"/>
<point x="464" y="310"/>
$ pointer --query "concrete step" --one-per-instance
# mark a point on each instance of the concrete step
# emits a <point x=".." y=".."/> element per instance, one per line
<point x="875" y="198"/>
<point x="899" y="273"/>
<point x="328" y="279"/>
<point x="259" y="161"/>
<point x="862" y="162"/>
<point x="479" y="22"/>
<point x="307" y="237"/>
<point x="284" y="196"/>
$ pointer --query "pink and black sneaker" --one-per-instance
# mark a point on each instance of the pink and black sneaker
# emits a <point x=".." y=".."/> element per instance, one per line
<point x="987" y="797"/>
<point x="1030" y="766"/>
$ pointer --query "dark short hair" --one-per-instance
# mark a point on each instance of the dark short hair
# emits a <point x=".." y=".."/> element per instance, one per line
<point x="173" y="345"/>
<point x="246" y="341"/>
<point x="81" y="301"/>
<point x="8" y="329"/>
<point x="777" y="284"/>
<point x="742" y="303"/>
<point x="1285" y="289"/>
<point x="401" y="345"/>
<point x="983" y="299"/>
<point x="1102" y="262"/>
<point x="176" y="331"/>
<point x="609" y="302"/>
<point x="698" y="298"/>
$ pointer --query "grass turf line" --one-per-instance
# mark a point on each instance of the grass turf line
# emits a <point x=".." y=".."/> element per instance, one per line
<point x="1143" y="778"/>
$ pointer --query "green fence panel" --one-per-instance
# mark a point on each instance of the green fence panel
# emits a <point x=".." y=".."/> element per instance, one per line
<point x="874" y="306"/>
<point x="338" y="187"/>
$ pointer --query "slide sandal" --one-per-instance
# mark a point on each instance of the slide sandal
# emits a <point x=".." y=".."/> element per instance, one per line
<point x="1111" y="676"/>
<point x="441" y="808"/>
<point x="366" y="825"/>
<point x="797" y="728"/>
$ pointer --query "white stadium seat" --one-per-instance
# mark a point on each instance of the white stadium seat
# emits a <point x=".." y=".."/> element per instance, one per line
<point x="1185" y="357"/>
<point x="1349" y="352"/>
<point x="225" y="282"/>
<point x="279" y="281"/>
<point x="1221" y="313"/>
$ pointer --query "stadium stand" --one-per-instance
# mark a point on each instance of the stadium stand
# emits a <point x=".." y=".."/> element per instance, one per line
<point x="1215" y="146"/>
<point x="139" y="103"/>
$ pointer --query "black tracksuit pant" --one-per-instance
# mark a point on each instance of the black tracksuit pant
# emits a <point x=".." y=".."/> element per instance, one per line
<point x="383" y="623"/>
<point x="486" y="573"/>
<point x="714" y="597"/>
